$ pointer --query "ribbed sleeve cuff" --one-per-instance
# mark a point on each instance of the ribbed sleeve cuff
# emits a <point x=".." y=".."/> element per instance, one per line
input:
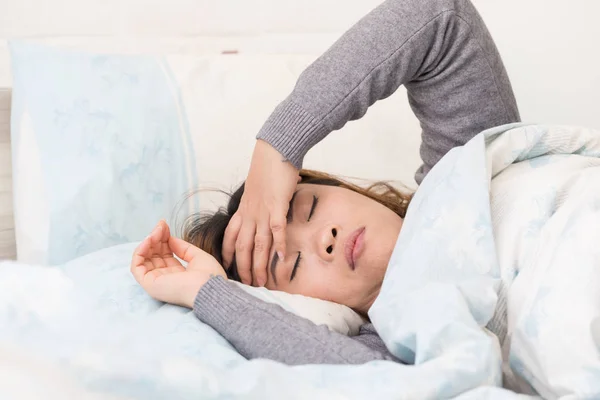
<point x="218" y="304"/>
<point x="292" y="131"/>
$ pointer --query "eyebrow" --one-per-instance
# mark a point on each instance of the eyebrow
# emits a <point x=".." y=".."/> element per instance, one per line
<point x="289" y="218"/>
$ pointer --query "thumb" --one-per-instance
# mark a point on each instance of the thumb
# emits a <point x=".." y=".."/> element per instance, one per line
<point x="184" y="250"/>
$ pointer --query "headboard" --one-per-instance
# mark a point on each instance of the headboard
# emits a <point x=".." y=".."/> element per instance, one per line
<point x="7" y="226"/>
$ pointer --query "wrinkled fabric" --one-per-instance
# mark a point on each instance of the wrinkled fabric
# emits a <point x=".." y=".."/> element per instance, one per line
<point x="504" y="233"/>
<point x="467" y="251"/>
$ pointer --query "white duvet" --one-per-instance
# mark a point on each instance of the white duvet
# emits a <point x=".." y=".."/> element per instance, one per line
<point x="503" y="234"/>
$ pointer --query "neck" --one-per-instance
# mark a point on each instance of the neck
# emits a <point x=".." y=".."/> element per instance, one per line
<point x="368" y="301"/>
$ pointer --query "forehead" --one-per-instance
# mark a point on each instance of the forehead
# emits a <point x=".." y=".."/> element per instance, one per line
<point x="326" y="189"/>
<point x="314" y="187"/>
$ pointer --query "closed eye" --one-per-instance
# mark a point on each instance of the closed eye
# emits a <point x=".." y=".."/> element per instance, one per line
<point x="295" y="266"/>
<point x="314" y="205"/>
<point x="290" y="214"/>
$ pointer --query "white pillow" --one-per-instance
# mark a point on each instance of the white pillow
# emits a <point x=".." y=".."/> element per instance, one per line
<point x="338" y="318"/>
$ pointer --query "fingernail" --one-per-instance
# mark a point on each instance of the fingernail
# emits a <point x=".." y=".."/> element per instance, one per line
<point x="280" y="255"/>
<point x="261" y="282"/>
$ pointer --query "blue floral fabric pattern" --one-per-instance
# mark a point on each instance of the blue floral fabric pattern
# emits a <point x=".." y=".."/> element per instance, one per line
<point x="475" y="237"/>
<point x="112" y="142"/>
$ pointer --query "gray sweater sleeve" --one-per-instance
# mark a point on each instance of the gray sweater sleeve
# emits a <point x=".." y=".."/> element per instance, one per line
<point x="262" y="330"/>
<point x="440" y="50"/>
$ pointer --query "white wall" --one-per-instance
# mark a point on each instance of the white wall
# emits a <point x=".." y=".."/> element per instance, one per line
<point x="550" y="47"/>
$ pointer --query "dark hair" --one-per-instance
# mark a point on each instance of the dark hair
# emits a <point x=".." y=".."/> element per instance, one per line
<point x="206" y="231"/>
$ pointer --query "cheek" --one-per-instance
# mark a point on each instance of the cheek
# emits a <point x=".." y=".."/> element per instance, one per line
<point x="328" y="284"/>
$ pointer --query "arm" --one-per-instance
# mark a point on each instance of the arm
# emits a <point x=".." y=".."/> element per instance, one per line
<point x="254" y="328"/>
<point x="261" y="330"/>
<point x="440" y="49"/>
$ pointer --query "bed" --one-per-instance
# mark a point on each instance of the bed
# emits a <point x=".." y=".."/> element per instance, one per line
<point x="78" y="325"/>
<point x="85" y="329"/>
<point x="102" y="347"/>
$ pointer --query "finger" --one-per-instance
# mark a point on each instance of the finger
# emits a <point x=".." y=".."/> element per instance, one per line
<point x="138" y="265"/>
<point x="155" y="236"/>
<point x="157" y="254"/>
<point x="163" y="241"/>
<point x="229" y="239"/>
<point x="243" y="251"/>
<point x="184" y="250"/>
<point x="165" y="250"/>
<point x="260" y="256"/>
<point x="172" y="262"/>
<point x="166" y="232"/>
<point x="140" y="254"/>
<point x="278" y="224"/>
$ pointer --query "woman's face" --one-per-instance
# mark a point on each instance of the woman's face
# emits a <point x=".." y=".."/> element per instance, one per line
<point x="339" y="243"/>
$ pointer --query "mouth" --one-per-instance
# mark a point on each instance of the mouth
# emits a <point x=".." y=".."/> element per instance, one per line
<point x="354" y="246"/>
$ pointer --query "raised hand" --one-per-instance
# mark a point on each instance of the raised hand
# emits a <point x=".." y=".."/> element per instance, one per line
<point x="261" y="217"/>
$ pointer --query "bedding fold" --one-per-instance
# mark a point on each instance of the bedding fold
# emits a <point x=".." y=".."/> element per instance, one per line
<point x="494" y="281"/>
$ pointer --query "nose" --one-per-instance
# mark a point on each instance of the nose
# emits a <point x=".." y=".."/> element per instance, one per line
<point x="328" y="242"/>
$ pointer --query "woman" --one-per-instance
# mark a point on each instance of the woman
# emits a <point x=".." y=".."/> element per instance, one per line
<point x="457" y="87"/>
<point x="347" y="235"/>
<point x="332" y="240"/>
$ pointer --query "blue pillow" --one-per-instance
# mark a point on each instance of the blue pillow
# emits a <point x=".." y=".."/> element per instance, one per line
<point x="101" y="150"/>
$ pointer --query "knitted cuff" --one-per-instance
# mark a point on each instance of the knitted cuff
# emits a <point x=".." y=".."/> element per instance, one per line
<point x="217" y="303"/>
<point x="292" y="132"/>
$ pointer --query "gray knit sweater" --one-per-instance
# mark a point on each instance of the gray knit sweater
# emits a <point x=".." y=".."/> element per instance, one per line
<point x="457" y="87"/>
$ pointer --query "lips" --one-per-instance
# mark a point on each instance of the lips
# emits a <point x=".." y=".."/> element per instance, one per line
<point x="353" y="247"/>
